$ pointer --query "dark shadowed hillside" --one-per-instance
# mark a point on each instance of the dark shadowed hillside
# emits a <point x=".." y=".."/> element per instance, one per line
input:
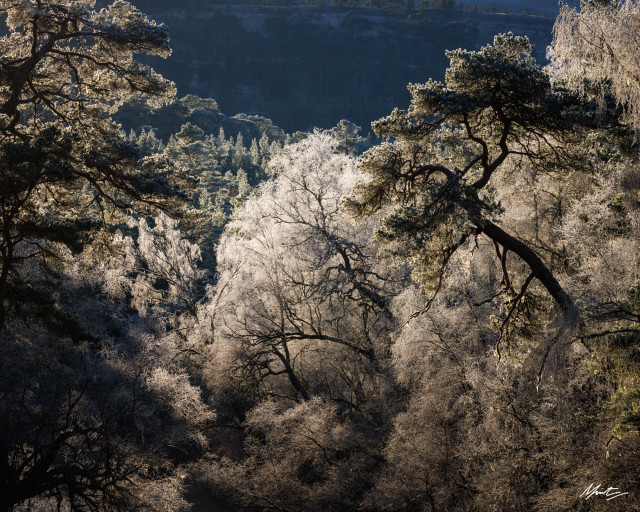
<point x="306" y="66"/>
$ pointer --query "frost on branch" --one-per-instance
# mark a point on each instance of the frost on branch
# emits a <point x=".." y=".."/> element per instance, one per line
<point x="301" y="287"/>
<point x="596" y="50"/>
<point x="166" y="266"/>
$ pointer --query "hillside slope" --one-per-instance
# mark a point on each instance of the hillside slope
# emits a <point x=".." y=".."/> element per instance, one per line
<point x="306" y="66"/>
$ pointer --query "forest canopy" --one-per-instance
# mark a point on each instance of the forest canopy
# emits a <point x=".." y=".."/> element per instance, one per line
<point x="209" y="312"/>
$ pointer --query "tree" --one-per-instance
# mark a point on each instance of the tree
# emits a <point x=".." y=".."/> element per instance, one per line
<point x="348" y="136"/>
<point x="165" y="266"/>
<point x="88" y="420"/>
<point x="475" y="434"/>
<point x="301" y="294"/>
<point x="103" y="423"/>
<point x="515" y="202"/>
<point x="595" y="50"/>
<point x="65" y="165"/>
<point x="221" y="172"/>
<point x="301" y="457"/>
<point x="445" y="158"/>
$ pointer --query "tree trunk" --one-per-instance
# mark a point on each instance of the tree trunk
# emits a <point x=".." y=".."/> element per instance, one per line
<point x="293" y="378"/>
<point x="569" y="310"/>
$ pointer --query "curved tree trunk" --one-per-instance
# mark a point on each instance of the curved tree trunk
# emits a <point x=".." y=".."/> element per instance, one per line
<point x="540" y="271"/>
<point x="573" y="322"/>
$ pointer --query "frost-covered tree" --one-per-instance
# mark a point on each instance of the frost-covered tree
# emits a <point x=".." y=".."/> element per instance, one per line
<point x="147" y="141"/>
<point x="65" y="165"/>
<point x="448" y="159"/>
<point x="475" y="433"/>
<point x="222" y="172"/>
<point x="348" y="136"/>
<point x="297" y="336"/>
<point x="165" y="265"/>
<point x="514" y="205"/>
<point x="105" y="422"/>
<point x="94" y="401"/>
<point x="595" y="50"/>
<point x="300" y="457"/>
<point x="302" y="295"/>
<point x="68" y="62"/>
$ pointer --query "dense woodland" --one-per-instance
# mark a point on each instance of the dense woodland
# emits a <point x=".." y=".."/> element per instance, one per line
<point x="201" y="312"/>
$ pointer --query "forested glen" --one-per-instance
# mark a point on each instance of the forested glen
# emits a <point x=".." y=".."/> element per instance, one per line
<point x="348" y="256"/>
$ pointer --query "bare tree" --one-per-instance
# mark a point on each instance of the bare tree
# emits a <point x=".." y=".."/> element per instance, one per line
<point x="302" y="294"/>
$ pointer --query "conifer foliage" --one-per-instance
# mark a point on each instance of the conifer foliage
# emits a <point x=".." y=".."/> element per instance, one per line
<point x="445" y="156"/>
<point x="77" y="391"/>
<point x="64" y="68"/>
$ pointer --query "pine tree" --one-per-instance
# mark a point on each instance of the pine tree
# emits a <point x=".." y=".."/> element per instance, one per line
<point x="496" y="111"/>
<point x="66" y="166"/>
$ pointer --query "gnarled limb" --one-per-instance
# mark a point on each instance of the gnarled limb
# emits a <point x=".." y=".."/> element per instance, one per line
<point x="539" y="270"/>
